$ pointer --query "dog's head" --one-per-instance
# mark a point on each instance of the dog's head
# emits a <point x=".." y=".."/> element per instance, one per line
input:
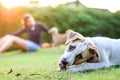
<point x="79" y="50"/>
<point x="53" y="30"/>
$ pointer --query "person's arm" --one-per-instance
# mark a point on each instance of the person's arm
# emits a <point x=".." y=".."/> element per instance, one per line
<point x="44" y="27"/>
<point x="19" y="32"/>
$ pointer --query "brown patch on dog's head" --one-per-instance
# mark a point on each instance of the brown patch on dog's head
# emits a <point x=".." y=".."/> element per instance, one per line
<point x="91" y="55"/>
<point x="93" y="51"/>
<point x="73" y="36"/>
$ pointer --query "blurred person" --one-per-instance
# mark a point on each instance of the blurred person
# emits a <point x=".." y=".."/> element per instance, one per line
<point x="34" y="33"/>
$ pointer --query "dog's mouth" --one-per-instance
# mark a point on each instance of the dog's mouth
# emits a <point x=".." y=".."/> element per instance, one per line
<point x="79" y="59"/>
<point x="63" y="67"/>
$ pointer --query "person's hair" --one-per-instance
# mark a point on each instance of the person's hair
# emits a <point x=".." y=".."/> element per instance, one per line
<point x="27" y="16"/>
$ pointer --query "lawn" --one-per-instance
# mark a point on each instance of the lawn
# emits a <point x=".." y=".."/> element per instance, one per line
<point x="42" y="65"/>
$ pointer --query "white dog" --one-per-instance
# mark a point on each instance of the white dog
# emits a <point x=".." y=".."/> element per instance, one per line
<point x="93" y="53"/>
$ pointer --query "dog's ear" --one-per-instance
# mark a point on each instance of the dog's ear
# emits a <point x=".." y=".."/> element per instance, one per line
<point x="93" y="51"/>
<point x="91" y="54"/>
<point x="72" y="36"/>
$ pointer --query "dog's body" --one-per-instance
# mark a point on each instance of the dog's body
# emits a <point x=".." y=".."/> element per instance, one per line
<point x="58" y="38"/>
<point x="107" y="49"/>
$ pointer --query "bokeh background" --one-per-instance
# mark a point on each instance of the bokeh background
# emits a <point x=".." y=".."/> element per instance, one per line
<point x="70" y="15"/>
<point x="88" y="17"/>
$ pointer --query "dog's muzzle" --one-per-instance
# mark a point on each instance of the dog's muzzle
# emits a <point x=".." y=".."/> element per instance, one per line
<point x="79" y="59"/>
<point x="63" y="64"/>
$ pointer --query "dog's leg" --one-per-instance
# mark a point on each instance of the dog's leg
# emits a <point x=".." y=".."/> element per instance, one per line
<point x="88" y="66"/>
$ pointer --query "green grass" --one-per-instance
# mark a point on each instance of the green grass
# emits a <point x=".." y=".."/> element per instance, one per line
<point x="44" y="62"/>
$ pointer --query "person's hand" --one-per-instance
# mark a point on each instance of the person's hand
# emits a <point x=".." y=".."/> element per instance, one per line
<point x="49" y="32"/>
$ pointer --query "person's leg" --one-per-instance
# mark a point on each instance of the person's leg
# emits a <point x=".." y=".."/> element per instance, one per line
<point x="10" y="40"/>
<point x="0" y="40"/>
<point x="3" y="40"/>
<point x="31" y="46"/>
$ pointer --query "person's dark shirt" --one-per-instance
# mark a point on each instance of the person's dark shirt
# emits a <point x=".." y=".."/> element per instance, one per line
<point x="35" y="34"/>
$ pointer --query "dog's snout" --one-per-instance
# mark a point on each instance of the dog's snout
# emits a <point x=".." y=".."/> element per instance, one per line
<point x="64" y="61"/>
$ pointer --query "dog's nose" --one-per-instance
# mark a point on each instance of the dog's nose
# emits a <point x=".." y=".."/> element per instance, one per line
<point x="64" y="61"/>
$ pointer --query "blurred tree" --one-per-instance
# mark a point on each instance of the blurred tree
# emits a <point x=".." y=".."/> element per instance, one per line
<point x="89" y="22"/>
<point x="77" y="2"/>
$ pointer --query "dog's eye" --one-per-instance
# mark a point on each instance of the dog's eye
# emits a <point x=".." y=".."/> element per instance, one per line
<point x="71" y="48"/>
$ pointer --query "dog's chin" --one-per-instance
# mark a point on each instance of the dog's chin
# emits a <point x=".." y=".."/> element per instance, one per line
<point x="63" y="67"/>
